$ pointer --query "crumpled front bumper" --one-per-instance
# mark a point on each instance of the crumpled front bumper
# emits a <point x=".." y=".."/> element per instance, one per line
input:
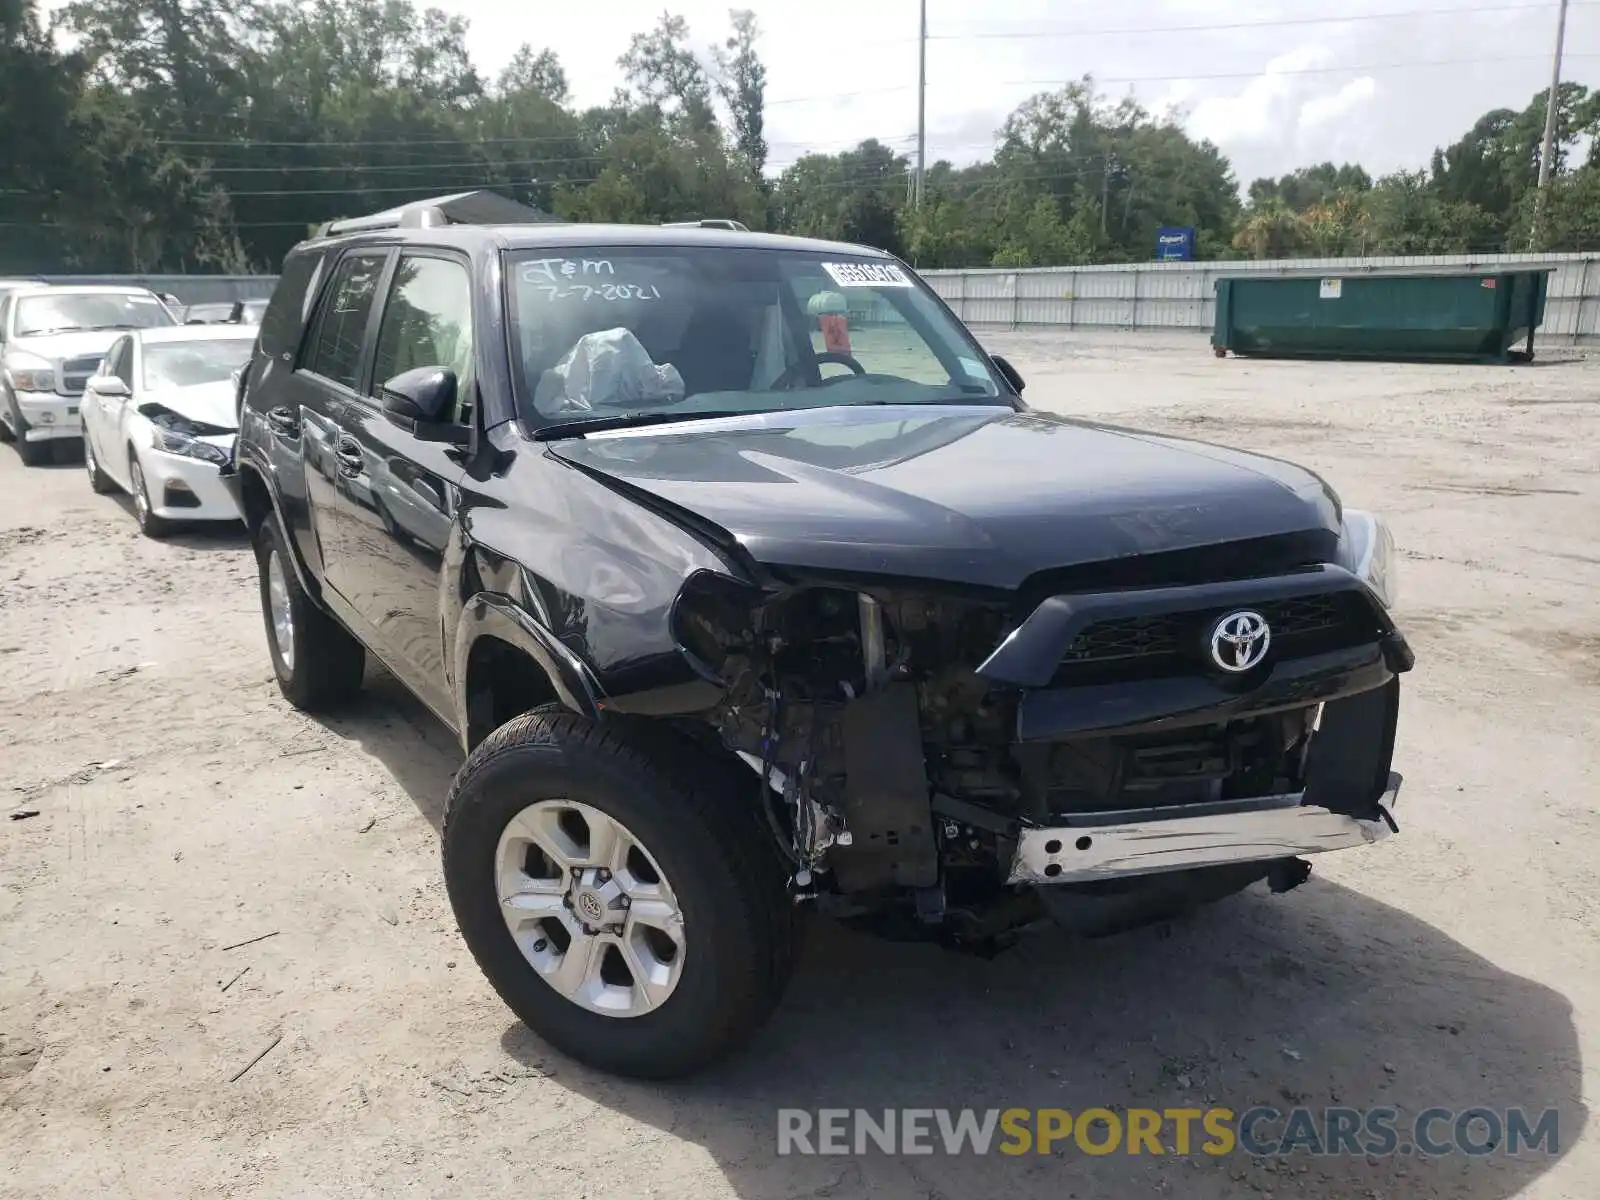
<point x="1118" y="845"/>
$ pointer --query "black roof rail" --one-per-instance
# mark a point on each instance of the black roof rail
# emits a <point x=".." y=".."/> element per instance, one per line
<point x="462" y="208"/>
<point x="709" y="223"/>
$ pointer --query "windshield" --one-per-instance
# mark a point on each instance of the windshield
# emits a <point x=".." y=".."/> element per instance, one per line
<point x="184" y="364"/>
<point x="66" y="312"/>
<point x="603" y="333"/>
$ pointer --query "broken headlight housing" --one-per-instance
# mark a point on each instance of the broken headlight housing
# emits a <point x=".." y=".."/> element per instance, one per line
<point x="1366" y="550"/>
<point x="179" y="435"/>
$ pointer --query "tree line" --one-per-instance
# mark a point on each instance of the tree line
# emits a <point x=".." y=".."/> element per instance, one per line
<point x="210" y="135"/>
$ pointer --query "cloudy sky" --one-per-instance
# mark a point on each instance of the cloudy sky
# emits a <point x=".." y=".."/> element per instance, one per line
<point x="1277" y="88"/>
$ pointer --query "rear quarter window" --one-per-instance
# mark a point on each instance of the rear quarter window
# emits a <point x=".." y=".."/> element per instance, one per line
<point x="292" y="302"/>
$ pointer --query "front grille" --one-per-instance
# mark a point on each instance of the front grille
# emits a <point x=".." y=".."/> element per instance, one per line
<point x="1172" y="643"/>
<point x="75" y="373"/>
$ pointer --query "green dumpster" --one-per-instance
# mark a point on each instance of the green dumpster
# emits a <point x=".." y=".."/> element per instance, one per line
<point x="1477" y="317"/>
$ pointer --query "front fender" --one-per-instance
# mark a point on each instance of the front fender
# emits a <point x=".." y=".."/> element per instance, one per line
<point x="234" y="482"/>
<point x="493" y="614"/>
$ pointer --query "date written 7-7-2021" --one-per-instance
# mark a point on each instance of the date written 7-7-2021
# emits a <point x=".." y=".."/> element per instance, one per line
<point x="605" y="291"/>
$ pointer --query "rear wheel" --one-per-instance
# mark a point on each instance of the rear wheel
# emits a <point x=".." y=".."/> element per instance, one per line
<point x="625" y="905"/>
<point x="317" y="662"/>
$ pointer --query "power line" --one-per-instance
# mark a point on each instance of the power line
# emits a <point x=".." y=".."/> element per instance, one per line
<point x="1261" y="72"/>
<point x="353" y="168"/>
<point x="1271" y="23"/>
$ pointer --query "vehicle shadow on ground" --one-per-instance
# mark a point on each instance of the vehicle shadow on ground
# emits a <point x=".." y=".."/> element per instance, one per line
<point x="396" y="728"/>
<point x="194" y="535"/>
<point x="1321" y="998"/>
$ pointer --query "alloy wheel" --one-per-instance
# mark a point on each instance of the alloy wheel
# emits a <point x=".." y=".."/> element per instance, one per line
<point x="589" y="908"/>
<point x="280" y="610"/>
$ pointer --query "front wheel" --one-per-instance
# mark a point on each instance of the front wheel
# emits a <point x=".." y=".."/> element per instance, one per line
<point x="628" y="907"/>
<point x="318" y="663"/>
<point x="150" y="525"/>
<point x="99" y="482"/>
<point x="32" y="454"/>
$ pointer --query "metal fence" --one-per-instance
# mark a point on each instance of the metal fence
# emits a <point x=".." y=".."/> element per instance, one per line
<point x="189" y="289"/>
<point x="1183" y="295"/>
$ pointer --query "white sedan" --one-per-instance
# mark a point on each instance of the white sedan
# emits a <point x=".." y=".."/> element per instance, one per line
<point x="159" y="419"/>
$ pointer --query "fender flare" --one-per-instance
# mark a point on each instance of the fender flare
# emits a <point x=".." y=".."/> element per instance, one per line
<point x="492" y="614"/>
<point x="248" y="461"/>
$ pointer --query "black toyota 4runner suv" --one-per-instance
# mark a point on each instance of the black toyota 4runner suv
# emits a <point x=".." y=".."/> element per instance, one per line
<point x="749" y="584"/>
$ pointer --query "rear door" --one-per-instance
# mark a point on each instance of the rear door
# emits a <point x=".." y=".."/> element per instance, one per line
<point x="310" y="406"/>
<point x="399" y="494"/>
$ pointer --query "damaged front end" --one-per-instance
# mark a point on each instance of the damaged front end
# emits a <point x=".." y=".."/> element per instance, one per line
<point x="960" y="766"/>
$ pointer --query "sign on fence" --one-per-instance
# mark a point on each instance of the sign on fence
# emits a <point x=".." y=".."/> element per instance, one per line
<point x="1175" y="242"/>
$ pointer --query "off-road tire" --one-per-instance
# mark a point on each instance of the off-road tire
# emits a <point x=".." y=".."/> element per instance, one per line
<point x="328" y="660"/>
<point x="6" y="434"/>
<point x="703" y="830"/>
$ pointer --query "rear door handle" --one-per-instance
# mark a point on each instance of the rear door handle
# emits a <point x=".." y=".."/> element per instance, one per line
<point x="283" y="421"/>
<point x="351" y="460"/>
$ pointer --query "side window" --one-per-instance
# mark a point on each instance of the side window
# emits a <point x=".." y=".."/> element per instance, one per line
<point x="427" y="322"/>
<point x="335" y="349"/>
<point x="5" y="316"/>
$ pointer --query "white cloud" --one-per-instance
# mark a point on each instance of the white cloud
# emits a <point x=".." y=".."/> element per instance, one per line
<point x="1325" y="110"/>
<point x="1266" y="108"/>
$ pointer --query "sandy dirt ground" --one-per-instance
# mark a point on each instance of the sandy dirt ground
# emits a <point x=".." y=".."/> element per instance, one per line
<point x="211" y="876"/>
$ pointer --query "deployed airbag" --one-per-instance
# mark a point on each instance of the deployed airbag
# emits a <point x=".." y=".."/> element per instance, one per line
<point x="606" y="369"/>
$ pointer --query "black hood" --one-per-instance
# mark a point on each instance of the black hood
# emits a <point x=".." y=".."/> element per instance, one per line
<point x="981" y="496"/>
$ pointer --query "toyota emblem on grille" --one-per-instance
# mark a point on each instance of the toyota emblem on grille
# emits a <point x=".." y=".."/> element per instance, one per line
<point x="1239" y="641"/>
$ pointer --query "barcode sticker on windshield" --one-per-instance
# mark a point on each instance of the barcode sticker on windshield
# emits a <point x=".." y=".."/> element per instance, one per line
<point x="867" y="275"/>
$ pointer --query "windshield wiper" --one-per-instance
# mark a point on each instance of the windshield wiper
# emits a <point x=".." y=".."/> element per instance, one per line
<point x="566" y="429"/>
<point x="51" y="332"/>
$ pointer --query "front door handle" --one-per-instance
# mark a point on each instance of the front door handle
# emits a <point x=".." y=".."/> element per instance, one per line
<point x="351" y="460"/>
<point x="284" y="421"/>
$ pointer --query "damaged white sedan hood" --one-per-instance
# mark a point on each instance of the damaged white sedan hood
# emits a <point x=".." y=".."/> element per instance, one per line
<point x="204" y="403"/>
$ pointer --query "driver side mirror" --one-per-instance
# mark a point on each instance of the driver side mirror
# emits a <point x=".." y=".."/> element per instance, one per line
<point x="106" y="385"/>
<point x="1012" y="375"/>
<point x="422" y="401"/>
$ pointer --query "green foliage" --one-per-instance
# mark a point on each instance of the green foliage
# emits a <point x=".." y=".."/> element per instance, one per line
<point x="212" y="134"/>
<point x="1476" y="197"/>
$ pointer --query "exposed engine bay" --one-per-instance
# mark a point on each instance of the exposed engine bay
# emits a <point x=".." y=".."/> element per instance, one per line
<point x="895" y="781"/>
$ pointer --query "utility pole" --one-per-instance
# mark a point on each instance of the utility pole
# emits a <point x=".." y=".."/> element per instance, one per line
<point x="1547" y="150"/>
<point x="1105" y="191"/>
<point x="922" y="104"/>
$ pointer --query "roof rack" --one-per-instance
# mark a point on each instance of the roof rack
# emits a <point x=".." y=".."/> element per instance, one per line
<point x="709" y="223"/>
<point x="462" y="208"/>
